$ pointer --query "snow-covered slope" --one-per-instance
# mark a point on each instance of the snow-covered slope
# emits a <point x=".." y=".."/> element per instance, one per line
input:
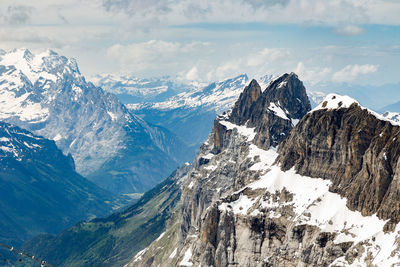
<point x="393" y="116"/>
<point x="47" y="94"/>
<point x="335" y="101"/>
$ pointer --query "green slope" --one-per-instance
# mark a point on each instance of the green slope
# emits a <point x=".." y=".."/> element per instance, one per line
<point x="114" y="240"/>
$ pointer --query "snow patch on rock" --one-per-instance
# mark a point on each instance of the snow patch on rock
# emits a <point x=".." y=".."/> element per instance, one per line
<point x="242" y="130"/>
<point x="277" y="110"/>
<point x="186" y="258"/>
<point x="335" y="101"/>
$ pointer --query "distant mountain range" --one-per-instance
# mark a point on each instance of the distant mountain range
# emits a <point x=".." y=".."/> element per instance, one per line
<point x="134" y="90"/>
<point x="189" y="110"/>
<point x="47" y="94"/>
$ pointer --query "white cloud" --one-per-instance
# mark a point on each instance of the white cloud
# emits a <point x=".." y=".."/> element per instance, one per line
<point x="113" y="36"/>
<point x="192" y="74"/>
<point x="195" y="60"/>
<point x="17" y="14"/>
<point x="160" y="57"/>
<point x="351" y="72"/>
<point x="350" y="30"/>
<point x="333" y="12"/>
<point x="266" y="54"/>
<point x="312" y="75"/>
<point x="256" y="64"/>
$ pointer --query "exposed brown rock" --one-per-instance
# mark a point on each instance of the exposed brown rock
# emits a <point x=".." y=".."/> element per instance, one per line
<point x="253" y="109"/>
<point x="242" y="110"/>
<point x="220" y="136"/>
<point x="356" y="151"/>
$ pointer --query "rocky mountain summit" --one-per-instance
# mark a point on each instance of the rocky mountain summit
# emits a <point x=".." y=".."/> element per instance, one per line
<point x="322" y="195"/>
<point x="46" y="94"/>
<point x="274" y="113"/>
<point x="40" y="192"/>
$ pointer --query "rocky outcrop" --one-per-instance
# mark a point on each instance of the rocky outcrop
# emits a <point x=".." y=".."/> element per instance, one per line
<point x="272" y="113"/>
<point x="227" y="239"/>
<point x="239" y="209"/>
<point x="242" y="110"/>
<point x="223" y="167"/>
<point x="287" y="90"/>
<point x="281" y="106"/>
<point x="355" y="150"/>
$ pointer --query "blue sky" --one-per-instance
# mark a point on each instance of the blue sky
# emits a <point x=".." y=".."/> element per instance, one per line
<point x="338" y="41"/>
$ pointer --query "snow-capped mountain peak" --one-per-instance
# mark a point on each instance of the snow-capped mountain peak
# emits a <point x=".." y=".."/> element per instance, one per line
<point x="46" y="94"/>
<point x="335" y="101"/>
<point x="29" y="83"/>
<point x="42" y="67"/>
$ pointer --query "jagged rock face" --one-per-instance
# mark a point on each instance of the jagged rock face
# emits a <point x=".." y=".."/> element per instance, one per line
<point x="281" y="105"/>
<point x="284" y="90"/>
<point x="273" y="125"/>
<point x="355" y="150"/>
<point x="272" y="113"/>
<point x="231" y="240"/>
<point x="228" y="147"/>
<point x="242" y="110"/>
<point x="47" y="94"/>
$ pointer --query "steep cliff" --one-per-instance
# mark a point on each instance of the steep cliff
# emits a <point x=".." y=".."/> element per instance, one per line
<point x="271" y="114"/>
<point x="355" y="149"/>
